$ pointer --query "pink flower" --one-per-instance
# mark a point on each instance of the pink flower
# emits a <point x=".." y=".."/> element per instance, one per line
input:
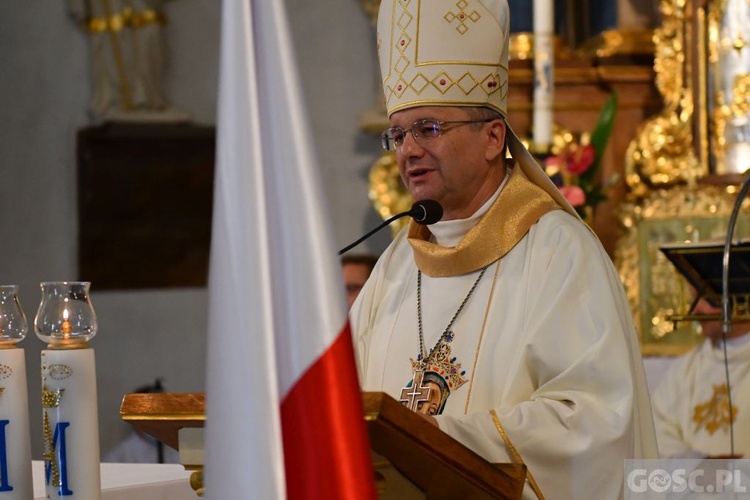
<point x="578" y="158"/>
<point x="553" y="161"/>
<point x="574" y="195"/>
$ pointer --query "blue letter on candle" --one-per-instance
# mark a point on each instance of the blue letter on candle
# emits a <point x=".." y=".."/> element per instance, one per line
<point x="4" y="485"/>
<point x="60" y="433"/>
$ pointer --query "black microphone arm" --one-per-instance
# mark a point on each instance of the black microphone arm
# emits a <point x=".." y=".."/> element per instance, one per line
<point x="423" y="212"/>
<point x="726" y="323"/>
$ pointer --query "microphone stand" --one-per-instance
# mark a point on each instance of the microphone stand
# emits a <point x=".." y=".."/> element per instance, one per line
<point x="381" y="226"/>
<point x="726" y="324"/>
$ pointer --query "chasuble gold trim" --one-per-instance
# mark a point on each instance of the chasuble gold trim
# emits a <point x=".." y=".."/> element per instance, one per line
<point x="520" y="205"/>
<point x="516" y="455"/>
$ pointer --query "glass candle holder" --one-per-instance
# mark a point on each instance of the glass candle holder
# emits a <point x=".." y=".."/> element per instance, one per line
<point x="15" y="436"/>
<point x="13" y="324"/>
<point x="65" y="318"/>
<point x="70" y="425"/>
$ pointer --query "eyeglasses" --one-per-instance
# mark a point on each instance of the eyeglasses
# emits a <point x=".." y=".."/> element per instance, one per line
<point x="422" y="131"/>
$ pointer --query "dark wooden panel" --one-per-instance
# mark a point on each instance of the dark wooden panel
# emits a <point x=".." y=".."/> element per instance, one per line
<point x="144" y="205"/>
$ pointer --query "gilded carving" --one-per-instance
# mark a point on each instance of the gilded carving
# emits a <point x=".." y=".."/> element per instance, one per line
<point x="667" y="203"/>
<point x="662" y="155"/>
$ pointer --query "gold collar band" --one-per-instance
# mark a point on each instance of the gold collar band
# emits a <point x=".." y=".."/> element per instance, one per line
<point x="520" y="204"/>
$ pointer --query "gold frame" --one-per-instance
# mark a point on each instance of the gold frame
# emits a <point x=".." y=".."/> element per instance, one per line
<point x="655" y="290"/>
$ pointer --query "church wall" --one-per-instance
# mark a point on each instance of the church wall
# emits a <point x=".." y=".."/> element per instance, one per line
<point x="44" y="92"/>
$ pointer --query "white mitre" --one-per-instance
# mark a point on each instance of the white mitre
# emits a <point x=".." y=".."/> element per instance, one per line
<point x="452" y="53"/>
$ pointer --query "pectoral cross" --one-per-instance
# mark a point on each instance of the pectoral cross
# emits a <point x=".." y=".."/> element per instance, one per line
<point x="412" y="395"/>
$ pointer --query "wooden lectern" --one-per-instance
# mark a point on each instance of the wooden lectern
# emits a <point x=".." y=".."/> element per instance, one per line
<point x="435" y="463"/>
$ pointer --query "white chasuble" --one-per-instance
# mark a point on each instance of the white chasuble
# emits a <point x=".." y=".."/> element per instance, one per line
<point x="691" y="407"/>
<point x="546" y="341"/>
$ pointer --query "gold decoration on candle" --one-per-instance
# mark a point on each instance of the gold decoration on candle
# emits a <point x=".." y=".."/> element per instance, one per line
<point x="60" y="371"/>
<point x="50" y="399"/>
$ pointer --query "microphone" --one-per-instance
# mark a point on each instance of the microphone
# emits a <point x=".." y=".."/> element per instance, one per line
<point x="423" y="212"/>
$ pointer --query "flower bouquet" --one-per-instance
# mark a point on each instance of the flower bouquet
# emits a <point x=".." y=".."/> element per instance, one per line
<point x="575" y="160"/>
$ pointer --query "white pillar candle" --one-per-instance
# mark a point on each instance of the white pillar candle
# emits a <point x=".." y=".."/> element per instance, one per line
<point x="543" y="74"/>
<point x="15" y="445"/>
<point x="70" y="424"/>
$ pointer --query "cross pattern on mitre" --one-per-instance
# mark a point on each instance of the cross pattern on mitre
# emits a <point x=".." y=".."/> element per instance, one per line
<point x="462" y="17"/>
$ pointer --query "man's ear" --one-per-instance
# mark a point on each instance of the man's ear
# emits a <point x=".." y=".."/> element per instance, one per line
<point x="496" y="140"/>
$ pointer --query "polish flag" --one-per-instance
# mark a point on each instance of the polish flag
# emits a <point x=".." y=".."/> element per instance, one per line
<point x="284" y="415"/>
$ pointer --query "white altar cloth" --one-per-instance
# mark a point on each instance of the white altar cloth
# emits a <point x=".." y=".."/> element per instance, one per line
<point x="133" y="481"/>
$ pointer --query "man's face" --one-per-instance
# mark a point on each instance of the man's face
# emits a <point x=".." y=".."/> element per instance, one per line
<point x="454" y="169"/>
<point x="710" y="329"/>
<point x="355" y="276"/>
<point x="713" y="329"/>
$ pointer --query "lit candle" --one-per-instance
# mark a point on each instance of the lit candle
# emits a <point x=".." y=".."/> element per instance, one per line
<point x="70" y="425"/>
<point x="543" y="74"/>
<point x="66" y="327"/>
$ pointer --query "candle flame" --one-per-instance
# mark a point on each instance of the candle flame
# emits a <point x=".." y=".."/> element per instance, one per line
<point x="67" y="327"/>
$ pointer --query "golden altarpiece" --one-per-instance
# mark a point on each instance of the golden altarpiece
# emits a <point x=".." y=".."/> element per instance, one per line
<point x="674" y="154"/>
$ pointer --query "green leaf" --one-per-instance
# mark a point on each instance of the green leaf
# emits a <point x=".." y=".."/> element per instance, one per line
<point x="603" y="129"/>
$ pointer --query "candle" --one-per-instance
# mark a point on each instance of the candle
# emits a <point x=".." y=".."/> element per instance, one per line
<point x="543" y="74"/>
<point x="70" y="426"/>
<point x="15" y="436"/>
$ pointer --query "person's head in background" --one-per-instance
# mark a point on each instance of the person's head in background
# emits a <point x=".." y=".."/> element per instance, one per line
<point x="356" y="269"/>
<point x="711" y="329"/>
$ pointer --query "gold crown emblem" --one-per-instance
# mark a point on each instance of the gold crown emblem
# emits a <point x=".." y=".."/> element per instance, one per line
<point x="51" y="399"/>
<point x="440" y="362"/>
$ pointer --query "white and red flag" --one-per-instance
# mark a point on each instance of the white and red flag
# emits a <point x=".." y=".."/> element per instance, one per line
<point x="284" y="413"/>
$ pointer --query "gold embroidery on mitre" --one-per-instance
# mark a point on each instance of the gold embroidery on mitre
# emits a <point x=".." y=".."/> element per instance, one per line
<point x="471" y="69"/>
<point x="519" y="206"/>
<point x="462" y="16"/>
<point x="5" y="371"/>
<point x="2" y="390"/>
<point x="714" y="414"/>
<point x="50" y="399"/>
